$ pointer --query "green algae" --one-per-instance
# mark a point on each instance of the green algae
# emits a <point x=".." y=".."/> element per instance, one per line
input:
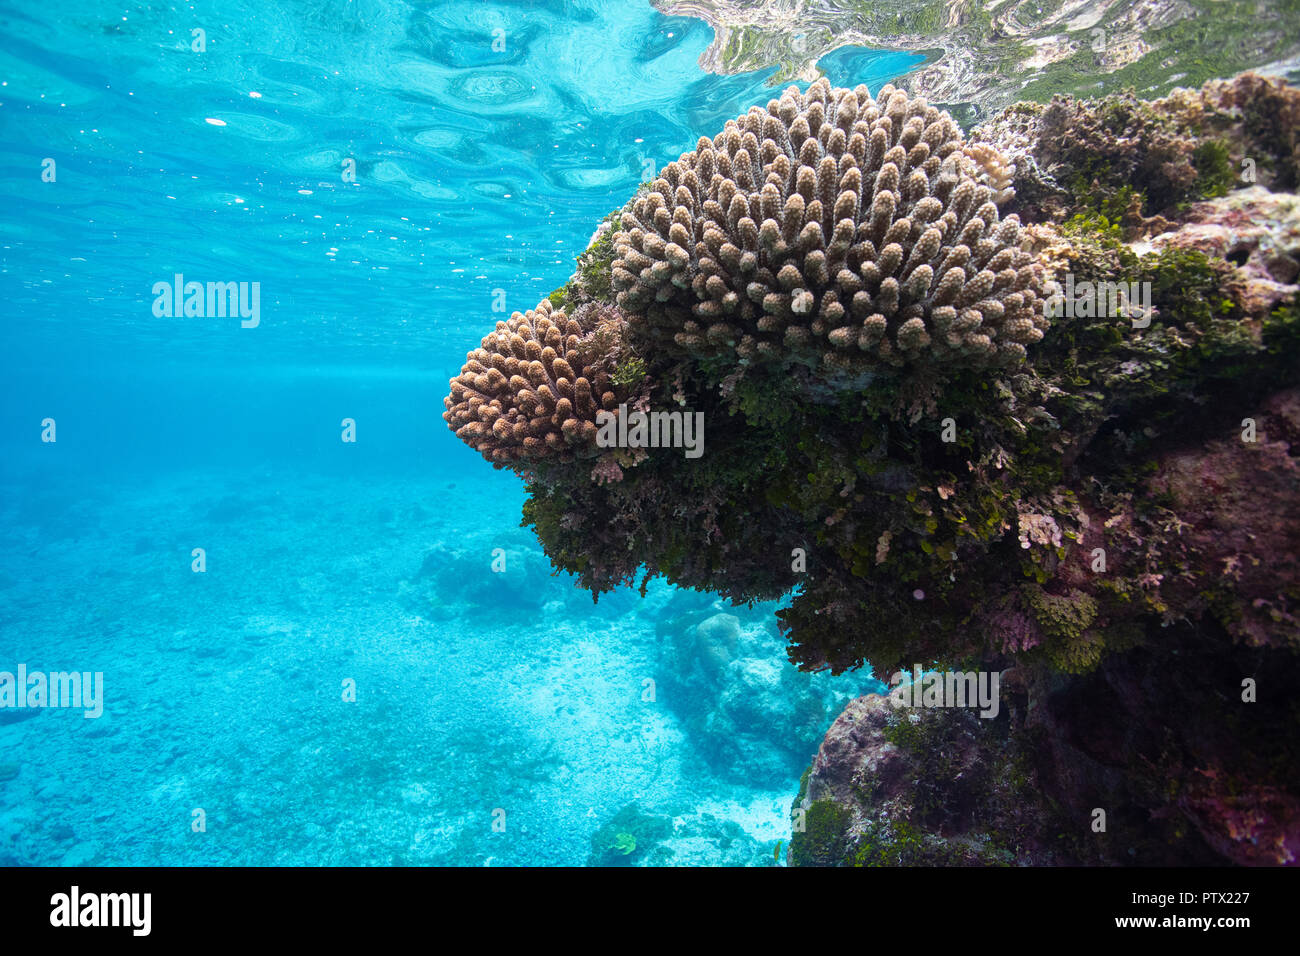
<point x="822" y="840"/>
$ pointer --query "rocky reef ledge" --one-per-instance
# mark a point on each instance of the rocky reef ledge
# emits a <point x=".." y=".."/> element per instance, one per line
<point x="1020" y="401"/>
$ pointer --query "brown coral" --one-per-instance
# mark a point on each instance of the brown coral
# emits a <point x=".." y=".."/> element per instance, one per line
<point x="831" y="228"/>
<point x="533" y="388"/>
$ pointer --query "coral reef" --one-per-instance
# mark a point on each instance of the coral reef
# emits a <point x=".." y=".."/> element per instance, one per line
<point x="684" y="837"/>
<point x="1106" y="516"/>
<point x="827" y="226"/>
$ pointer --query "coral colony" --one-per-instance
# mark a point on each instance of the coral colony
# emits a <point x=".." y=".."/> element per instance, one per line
<point x="1018" y="402"/>
<point x="534" y="387"/>
<point x="831" y="229"/>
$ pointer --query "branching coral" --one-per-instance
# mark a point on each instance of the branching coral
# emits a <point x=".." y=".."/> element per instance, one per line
<point x="833" y="229"/>
<point x="534" y="386"/>
<point x="996" y="170"/>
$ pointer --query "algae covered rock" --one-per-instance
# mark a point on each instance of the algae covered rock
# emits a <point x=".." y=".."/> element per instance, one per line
<point x="1128" y="156"/>
<point x="893" y="787"/>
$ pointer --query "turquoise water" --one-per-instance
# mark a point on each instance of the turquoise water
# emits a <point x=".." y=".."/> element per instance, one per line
<point x="384" y="171"/>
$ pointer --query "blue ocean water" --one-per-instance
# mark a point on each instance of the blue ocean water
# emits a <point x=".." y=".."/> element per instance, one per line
<point x="339" y="676"/>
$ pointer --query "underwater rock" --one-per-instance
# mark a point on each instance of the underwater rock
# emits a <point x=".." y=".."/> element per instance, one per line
<point x="893" y="787"/>
<point x="630" y="838"/>
<point x="634" y="837"/>
<point x="715" y="642"/>
<point x="943" y="787"/>
<point x="502" y="578"/>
